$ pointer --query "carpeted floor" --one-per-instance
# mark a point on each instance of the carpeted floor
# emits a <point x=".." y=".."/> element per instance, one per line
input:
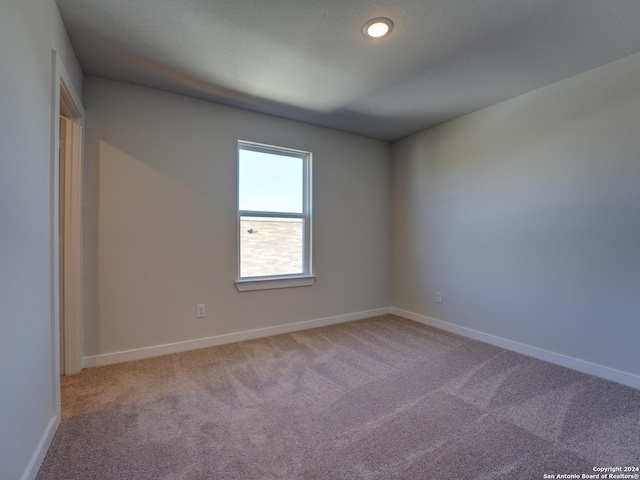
<point x="381" y="398"/>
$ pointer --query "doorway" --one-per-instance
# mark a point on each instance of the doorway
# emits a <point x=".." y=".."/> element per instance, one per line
<point x="66" y="211"/>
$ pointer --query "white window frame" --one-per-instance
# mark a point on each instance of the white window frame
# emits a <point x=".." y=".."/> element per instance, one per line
<point x="306" y="278"/>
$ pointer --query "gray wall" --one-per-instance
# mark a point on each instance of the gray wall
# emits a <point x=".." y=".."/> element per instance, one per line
<point x="29" y="29"/>
<point x="526" y="216"/>
<point x="160" y="220"/>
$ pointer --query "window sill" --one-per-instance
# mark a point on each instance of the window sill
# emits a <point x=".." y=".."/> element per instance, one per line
<point x="272" y="283"/>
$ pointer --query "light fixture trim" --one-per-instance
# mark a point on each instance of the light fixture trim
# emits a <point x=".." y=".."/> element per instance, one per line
<point x="374" y="28"/>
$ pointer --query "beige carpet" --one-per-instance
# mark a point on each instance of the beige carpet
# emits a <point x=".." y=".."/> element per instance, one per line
<point x="380" y="398"/>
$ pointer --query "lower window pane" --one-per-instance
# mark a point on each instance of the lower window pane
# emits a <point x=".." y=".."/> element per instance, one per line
<point x="270" y="246"/>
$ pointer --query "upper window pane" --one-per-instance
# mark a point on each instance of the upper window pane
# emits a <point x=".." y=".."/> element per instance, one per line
<point x="270" y="182"/>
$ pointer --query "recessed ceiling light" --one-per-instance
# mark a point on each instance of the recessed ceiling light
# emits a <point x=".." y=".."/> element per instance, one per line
<point x="378" y="27"/>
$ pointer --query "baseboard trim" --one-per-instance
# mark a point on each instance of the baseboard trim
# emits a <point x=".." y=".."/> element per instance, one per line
<point x="155" y="351"/>
<point x="41" y="450"/>
<point x="583" y="366"/>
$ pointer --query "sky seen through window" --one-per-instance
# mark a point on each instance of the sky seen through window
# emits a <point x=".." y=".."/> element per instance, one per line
<point x="270" y="182"/>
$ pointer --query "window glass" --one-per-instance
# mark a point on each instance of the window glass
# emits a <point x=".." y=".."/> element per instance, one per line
<point x="270" y="182"/>
<point x="271" y="246"/>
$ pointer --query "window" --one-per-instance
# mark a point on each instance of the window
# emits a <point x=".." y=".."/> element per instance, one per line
<point x="274" y="217"/>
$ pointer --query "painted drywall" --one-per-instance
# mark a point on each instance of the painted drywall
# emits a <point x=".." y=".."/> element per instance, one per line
<point x="526" y="216"/>
<point x="160" y="220"/>
<point x="29" y="29"/>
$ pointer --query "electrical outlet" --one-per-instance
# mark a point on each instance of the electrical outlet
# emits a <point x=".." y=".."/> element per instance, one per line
<point x="438" y="297"/>
<point x="201" y="310"/>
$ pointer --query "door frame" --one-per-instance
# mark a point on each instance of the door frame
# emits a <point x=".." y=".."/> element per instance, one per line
<point x="67" y="102"/>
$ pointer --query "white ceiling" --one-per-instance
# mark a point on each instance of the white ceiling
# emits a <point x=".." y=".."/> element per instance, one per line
<point x="308" y="59"/>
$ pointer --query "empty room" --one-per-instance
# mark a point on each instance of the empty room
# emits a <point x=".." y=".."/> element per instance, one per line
<point x="246" y="239"/>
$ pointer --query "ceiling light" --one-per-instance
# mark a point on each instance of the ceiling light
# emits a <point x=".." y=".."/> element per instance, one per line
<point x="378" y="27"/>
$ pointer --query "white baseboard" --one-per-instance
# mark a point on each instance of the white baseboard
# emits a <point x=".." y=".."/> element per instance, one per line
<point x="584" y="366"/>
<point x="601" y="371"/>
<point x="41" y="450"/>
<point x="147" y="352"/>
